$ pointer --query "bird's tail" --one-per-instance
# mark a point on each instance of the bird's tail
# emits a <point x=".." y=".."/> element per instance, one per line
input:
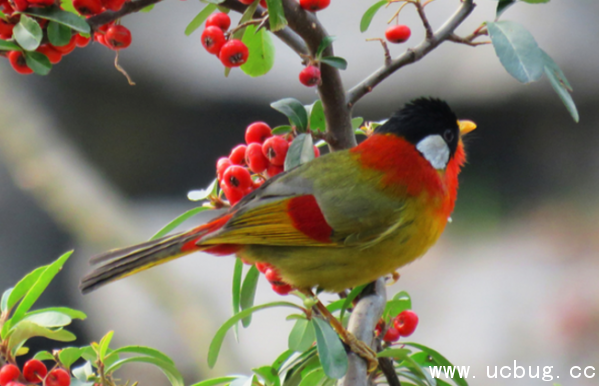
<point x="119" y="263"/>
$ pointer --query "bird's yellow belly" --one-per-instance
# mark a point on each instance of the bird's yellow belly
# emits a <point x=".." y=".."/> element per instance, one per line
<point x="337" y="268"/>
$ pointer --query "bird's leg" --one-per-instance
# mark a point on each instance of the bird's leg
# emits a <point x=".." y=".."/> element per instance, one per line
<point x="357" y="346"/>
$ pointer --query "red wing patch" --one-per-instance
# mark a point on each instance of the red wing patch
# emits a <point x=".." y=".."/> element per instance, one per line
<point x="203" y="230"/>
<point x="306" y="216"/>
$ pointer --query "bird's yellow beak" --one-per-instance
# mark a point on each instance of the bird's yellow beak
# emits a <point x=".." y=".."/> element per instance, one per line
<point x="466" y="127"/>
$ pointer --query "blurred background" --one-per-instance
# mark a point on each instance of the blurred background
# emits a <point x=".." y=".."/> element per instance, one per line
<point x="89" y="162"/>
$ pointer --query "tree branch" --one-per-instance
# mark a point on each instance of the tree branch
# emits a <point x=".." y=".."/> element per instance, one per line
<point x="363" y="320"/>
<point x="106" y="17"/>
<point x="412" y="55"/>
<point x="338" y="116"/>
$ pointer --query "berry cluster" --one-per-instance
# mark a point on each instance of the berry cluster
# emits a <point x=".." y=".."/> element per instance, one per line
<point x="403" y="324"/>
<point x="231" y="52"/>
<point x="34" y="371"/>
<point x="249" y="166"/>
<point x="113" y="36"/>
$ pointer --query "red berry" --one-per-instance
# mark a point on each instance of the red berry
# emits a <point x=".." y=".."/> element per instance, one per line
<point x="234" y="53"/>
<point x="263" y="4"/>
<point x="34" y="371"/>
<point x="53" y="55"/>
<point x="406" y="322"/>
<point x="100" y="39"/>
<point x="238" y="177"/>
<point x="263" y="267"/>
<point x="15" y="383"/>
<point x="220" y="20"/>
<point x="118" y="37"/>
<point x="6" y="30"/>
<point x="20" y="5"/>
<point x="246" y="2"/>
<point x="273" y="170"/>
<point x="275" y="149"/>
<point x="113" y="5"/>
<point x="237" y="156"/>
<point x="9" y="373"/>
<point x="273" y="276"/>
<point x="18" y="63"/>
<point x="58" y="377"/>
<point x="221" y="166"/>
<point x="213" y="39"/>
<point x="255" y="159"/>
<point x="88" y="7"/>
<point x="67" y="48"/>
<point x="258" y="183"/>
<point x="42" y="3"/>
<point x="82" y="41"/>
<point x="314" y="5"/>
<point x="232" y="193"/>
<point x="257" y="132"/>
<point x="310" y="76"/>
<point x="392" y="335"/>
<point x="316" y="152"/>
<point x="398" y="33"/>
<point x="282" y="289"/>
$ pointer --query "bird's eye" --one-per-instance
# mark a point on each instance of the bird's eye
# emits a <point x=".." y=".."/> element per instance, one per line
<point x="448" y="135"/>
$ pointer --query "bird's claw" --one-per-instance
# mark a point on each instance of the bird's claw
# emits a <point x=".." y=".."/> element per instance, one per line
<point x="363" y="350"/>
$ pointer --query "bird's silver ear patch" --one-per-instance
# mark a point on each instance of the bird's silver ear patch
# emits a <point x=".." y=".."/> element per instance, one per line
<point x="435" y="150"/>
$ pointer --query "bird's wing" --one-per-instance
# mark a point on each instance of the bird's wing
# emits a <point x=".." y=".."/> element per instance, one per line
<point x="326" y="202"/>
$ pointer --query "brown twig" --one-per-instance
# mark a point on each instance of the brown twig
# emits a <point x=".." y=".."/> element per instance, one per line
<point x="385" y="48"/>
<point x="131" y="7"/>
<point x="386" y="366"/>
<point x="411" y="55"/>
<point x="469" y="40"/>
<point x="425" y="23"/>
<point x="122" y="70"/>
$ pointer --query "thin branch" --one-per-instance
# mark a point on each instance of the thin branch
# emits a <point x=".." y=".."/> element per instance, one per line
<point x="385" y="48"/>
<point x="469" y="40"/>
<point x="340" y="134"/>
<point x="131" y="7"/>
<point x="411" y="55"/>
<point x="386" y="365"/>
<point x="425" y="23"/>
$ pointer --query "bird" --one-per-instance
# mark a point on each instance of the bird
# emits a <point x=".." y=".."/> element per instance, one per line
<point x="339" y="221"/>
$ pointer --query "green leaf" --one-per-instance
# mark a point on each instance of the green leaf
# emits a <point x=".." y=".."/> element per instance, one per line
<point x="3" y="15"/>
<point x="56" y="14"/>
<point x="25" y="330"/>
<point x="89" y="354"/>
<point x="248" y="292"/>
<point x="294" y="110"/>
<point x="276" y="15"/>
<point x="4" y="301"/>
<point x="330" y="350"/>
<point x="350" y="298"/>
<point x="104" y="345"/>
<point x="317" y="118"/>
<point x="178" y="221"/>
<point x="43" y="356"/>
<point x="203" y="194"/>
<point x="535" y="1"/>
<point x="357" y="122"/>
<point x="83" y="373"/>
<point x="335" y="61"/>
<point x="517" y="50"/>
<point x="394" y="307"/>
<point x="148" y="8"/>
<point x="300" y="151"/>
<point x="152" y="352"/>
<point x="59" y="34"/>
<point x="502" y="6"/>
<point x="69" y="355"/>
<point x="67" y="5"/>
<point x="38" y="287"/>
<point x="38" y="62"/>
<point x="369" y="14"/>
<point x="560" y="84"/>
<point x="269" y="374"/>
<point x="302" y="335"/>
<point x="217" y="341"/>
<point x="399" y="353"/>
<point x="49" y="319"/>
<point x="28" y="33"/>
<point x="313" y="378"/>
<point x="8" y="46"/>
<point x="23" y="286"/>
<point x="173" y="375"/>
<point x="73" y="314"/>
<point x="236" y="290"/>
<point x="247" y="15"/>
<point x="215" y="381"/>
<point x="284" y="129"/>
<point x="326" y="41"/>
<point x="440" y="359"/>
<point x="200" y="19"/>
<point x="281" y="359"/>
<point x="262" y="51"/>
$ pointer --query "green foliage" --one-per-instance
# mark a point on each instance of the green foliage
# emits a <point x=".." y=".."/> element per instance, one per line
<point x="8" y="46"/>
<point x="369" y="15"/>
<point x="200" y="19"/>
<point x="28" y="33"/>
<point x="59" y="34"/>
<point x="178" y="221"/>
<point x="262" y="49"/>
<point x="38" y="62"/>
<point x="300" y="151"/>
<point x="276" y="14"/>
<point x="58" y="15"/>
<point x="294" y="110"/>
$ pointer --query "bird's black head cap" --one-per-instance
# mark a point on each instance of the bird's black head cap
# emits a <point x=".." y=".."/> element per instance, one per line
<point x="423" y="117"/>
